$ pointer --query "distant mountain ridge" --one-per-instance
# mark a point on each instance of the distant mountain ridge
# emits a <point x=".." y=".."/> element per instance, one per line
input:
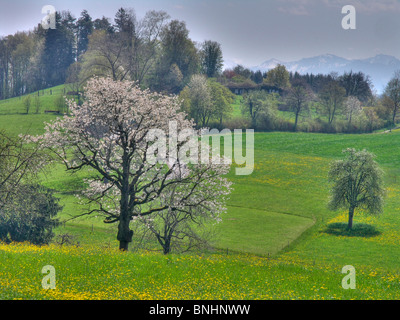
<point x="380" y="68"/>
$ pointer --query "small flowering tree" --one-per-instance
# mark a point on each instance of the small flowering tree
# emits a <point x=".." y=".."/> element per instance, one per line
<point x="357" y="183"/>
<point x="353" y="107"/>
<point x="181" y="224"/>
<point x="110" y="134"/>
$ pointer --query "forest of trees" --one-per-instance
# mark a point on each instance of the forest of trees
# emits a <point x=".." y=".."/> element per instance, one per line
<point x="327" y="103"/>
<point x="154" y="51"/>
<point x="157" y="53"/>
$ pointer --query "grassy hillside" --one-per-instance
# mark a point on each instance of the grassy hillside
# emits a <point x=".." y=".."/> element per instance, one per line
<point x="279" y="211"/>
<point x="15" y="120"/>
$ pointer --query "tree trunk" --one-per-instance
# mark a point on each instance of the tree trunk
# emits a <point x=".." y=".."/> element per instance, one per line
<point x="124" y="234"/>
<point x="295" y="122"/>
<point x="167" y="246"/>
<point x="351" y="214"/>
<point x="123" y="245"/>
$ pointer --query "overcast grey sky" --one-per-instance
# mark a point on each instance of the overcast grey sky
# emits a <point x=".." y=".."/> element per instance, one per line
<point x="250" y="31"/>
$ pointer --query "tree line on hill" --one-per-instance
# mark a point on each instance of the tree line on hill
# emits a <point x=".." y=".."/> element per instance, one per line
<point x="154" y="51"/>
<point x="158" y="54"/>
<point x="318" y="103"/>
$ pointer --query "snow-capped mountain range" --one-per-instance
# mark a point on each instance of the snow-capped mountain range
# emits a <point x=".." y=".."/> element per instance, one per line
<point x="380" y="68"/>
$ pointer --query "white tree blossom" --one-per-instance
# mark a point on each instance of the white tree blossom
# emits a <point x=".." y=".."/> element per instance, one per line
<point x="353" y="107"/>
<point x="109" y="134"/>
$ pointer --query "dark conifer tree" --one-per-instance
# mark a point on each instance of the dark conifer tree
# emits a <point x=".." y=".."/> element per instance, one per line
<point x="59" y="50"/>
<point x="84" y="29"/>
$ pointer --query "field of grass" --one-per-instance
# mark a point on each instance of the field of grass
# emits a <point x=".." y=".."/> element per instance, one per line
<point x="273" y="242"/>
<point x="47" y="98"/>
<point x="237" y="107"/>
<point x="13" y="115"/>
<point x="103" y="273"/>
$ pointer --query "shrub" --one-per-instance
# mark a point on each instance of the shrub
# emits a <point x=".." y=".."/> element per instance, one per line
<point x="237" y="123"/>
<point x="29" y="215"/>
<point x="267" y="120"/>
<point x="27" y="103"/>
<point x="61" y="105"/>
<point x="284" y="125"/>
<point x="66" y="239"/>
<point x="37" y="104"/>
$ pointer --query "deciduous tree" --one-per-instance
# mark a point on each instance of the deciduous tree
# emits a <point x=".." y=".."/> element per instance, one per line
<point x="106" y="57"/>
<point x="111" y="134"/>
<point x="391" y="96"/>
<point x="331" y="98"/>
<point x="211" y="58"/>
<point x="357" y="183"/>
<point x="175" y="48"/>
<point x="356" y="84"/>
<point x="298" y="97"/>
<point x="259" y="103"/>
<point x="186" y="228"/>
<point x="352" y="107"/>
<point x="197" y="100"/>
<point x="278" y="77"/>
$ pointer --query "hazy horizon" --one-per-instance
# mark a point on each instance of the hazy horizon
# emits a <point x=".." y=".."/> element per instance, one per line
<point x="252" y="31"/>
<point x="321" y="55"/>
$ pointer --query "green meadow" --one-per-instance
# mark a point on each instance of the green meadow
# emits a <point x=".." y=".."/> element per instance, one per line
<point x="276" y="241"/>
